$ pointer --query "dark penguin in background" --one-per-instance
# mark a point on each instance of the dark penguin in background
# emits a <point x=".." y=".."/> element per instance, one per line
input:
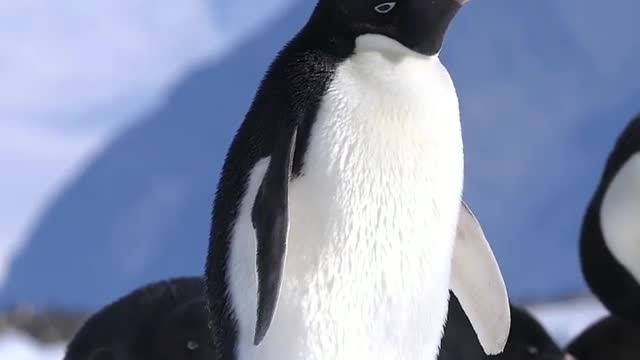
<point x="528" y="339"/>
<point x="610" y="338"/>
<point x="610" y="237"/>
<point x="183" y="333"/>
<point x="162" y="321"/>
<point x="334" y="222"/>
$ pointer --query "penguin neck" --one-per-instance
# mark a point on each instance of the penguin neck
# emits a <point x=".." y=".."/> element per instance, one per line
<point x="388" y="47"/>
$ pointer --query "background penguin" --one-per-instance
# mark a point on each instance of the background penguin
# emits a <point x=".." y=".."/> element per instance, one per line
<point x="183" y="334"/>
<point x="610" y="237"/>
<point x="340" y="194"/>
<point x="163" y="320"/>
<point x="610" y="338"/>
<point x="528" y="340"/>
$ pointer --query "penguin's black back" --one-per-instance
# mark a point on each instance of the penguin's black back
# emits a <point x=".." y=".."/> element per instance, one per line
<point x="528" y="340"/>
<point x="610" y="338"/>
<point x="293" y="86"/>
<point x="124" y="329"/>
<point x="610" y="282"/>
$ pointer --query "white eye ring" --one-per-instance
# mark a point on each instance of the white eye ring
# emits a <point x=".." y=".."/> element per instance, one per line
<point x="385" y="7"/>
<point x="192" y="345"/>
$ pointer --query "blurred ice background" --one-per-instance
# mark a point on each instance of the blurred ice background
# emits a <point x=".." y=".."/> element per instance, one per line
<point x="115" y="116"/>
<point x="17" y="346"/>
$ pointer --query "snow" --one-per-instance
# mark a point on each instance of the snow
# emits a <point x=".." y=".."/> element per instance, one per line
<point x="16" y="346"/>
<point x="567" y="319"/>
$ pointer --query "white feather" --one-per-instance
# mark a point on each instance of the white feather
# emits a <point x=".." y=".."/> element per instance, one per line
<point x="372" y="219"/>
<point x="620" y="216"/>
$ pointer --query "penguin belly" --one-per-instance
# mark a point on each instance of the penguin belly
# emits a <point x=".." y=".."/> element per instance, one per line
<point x="372" y="220"/>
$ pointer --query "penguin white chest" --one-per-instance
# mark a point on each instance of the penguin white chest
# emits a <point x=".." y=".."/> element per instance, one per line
<point x="619" y="216"/>
<point x="372" y="216"/>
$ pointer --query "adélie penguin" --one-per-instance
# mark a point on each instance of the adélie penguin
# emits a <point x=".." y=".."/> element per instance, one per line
<point x="610" y="236"/>
<point x="166" y="320"/>
<point x="335" y="216"/>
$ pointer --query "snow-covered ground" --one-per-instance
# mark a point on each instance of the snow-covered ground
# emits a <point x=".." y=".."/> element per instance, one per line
<point x="17" y="346"/>
<point x="564" y="320"/>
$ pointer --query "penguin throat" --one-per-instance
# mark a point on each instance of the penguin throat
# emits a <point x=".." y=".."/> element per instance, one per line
<point x="386" y="46"/>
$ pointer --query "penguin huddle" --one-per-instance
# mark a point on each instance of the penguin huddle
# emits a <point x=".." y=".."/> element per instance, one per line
<point x="338" y="227"/>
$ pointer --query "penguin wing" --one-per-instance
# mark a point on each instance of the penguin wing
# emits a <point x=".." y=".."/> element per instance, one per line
<point x="477" y="282"/>
<point x="270" y="218"/>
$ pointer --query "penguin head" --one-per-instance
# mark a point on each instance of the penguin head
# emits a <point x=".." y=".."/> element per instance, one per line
<point x="183" y="334"/>
<point x="419" y="25"/>
<point x="102" y="353"/>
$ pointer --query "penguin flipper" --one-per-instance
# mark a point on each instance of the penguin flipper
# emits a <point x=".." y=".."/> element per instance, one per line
<point x="270" y="218"/>
<point x="477" y="282"/>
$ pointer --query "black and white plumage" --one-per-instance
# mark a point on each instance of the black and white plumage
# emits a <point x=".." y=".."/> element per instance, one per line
<point x="528" y="339"/>
<point x="335" y="217"/>
<point x="166" y="320"/>
<point x="610" y="236"/>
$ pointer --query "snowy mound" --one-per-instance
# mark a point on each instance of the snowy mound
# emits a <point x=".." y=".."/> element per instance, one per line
<point x="567" y="319"/>
<point x="16" y="346"/>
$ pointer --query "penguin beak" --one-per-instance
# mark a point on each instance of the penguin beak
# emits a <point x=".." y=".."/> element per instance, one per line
<point x="427" y="23"/>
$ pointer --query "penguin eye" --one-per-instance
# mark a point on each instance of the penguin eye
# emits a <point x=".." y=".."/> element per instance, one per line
<point x="385" y="7"/>
<point x="532" y="350"/>
<point x="192" y="345"/>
